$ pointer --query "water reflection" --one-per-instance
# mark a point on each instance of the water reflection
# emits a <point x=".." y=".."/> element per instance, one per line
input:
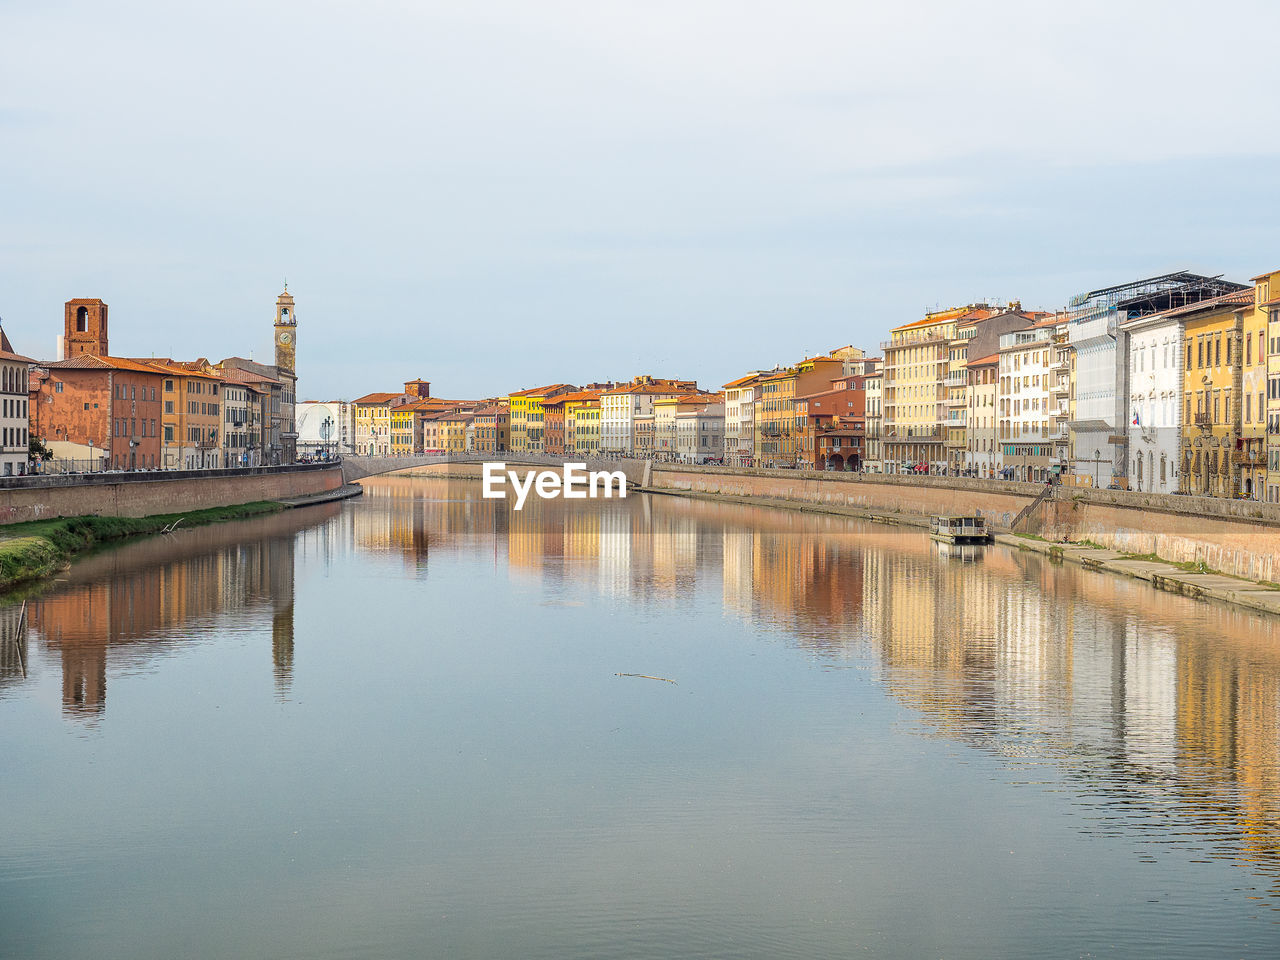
<point x="137" y="600"/>
<point x="1162" y="712"/>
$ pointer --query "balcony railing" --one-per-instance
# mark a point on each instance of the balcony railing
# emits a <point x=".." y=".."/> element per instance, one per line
<point x="1204" y="420"/>
<point x="1249" y="458"/>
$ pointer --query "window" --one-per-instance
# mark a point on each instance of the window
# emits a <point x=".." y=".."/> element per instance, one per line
<point x="57" y="387"/>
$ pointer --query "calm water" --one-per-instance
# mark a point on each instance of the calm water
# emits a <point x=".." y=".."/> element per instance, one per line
<point x="395" y="728"/>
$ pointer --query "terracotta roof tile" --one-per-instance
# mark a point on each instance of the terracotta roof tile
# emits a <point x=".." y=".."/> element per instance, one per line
<point x="88" y="361"/>
<point x="377" y="397"/>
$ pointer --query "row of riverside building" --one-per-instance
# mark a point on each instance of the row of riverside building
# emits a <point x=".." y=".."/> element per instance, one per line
<point x="1167" y="384"/>
<point x="91" y="411"/>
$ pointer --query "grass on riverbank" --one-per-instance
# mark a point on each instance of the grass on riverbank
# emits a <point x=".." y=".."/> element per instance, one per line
<point x="36" y="549"/>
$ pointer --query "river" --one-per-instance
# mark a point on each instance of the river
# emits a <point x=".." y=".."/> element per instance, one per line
<point x="424" y="724"/>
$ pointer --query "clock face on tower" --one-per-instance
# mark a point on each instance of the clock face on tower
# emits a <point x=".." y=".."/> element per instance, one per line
<point x="286" y="337"/>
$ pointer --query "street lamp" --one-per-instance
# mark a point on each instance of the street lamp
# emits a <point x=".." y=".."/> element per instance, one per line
<point x="1097" y="459"/>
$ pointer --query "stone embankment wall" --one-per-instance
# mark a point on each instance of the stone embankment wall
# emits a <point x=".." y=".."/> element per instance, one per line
<point x="1236" y="537"/>
<point x="997" y="500"/>
<point x="147" y="494"/>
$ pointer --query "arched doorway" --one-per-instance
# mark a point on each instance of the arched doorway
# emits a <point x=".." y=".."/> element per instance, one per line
<point x="835" y="461"/>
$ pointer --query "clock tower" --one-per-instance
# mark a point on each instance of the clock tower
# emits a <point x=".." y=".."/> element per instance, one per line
<point x="286" y="332"/>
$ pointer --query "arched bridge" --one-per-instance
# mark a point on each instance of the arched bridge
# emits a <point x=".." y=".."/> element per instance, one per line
<point x="356" y="468"/>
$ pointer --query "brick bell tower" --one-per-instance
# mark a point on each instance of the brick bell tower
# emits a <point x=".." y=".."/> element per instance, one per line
<point x="85" y="328"/>
<point x="286" y="332"/>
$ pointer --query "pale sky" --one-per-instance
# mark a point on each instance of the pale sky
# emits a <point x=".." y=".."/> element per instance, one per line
<point x="498" y="195"/>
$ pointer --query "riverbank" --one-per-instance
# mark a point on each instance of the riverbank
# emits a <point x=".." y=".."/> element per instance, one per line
<point x="157" y="492"/>
<point x="1189" y="579"/>
<point x="344" y="492"/>
<point x="39" y="548"/>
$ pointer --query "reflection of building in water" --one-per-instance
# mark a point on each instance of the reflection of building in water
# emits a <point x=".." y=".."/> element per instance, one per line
<point x="737" y="572"/>
<point x="1163" y="712"/>
<point x="280" y="577"/>
<point x="616" y="551"/>
<point x="163" y="589"/>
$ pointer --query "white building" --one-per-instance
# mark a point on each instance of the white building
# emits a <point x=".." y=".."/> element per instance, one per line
<point x="1099" y="422"/>
<point x="242" y="410"/>
<point x="874" y="460"/>
<point x="14" y="418"/>
<point x="740" y="420"/>
<point x="700" y="432"/>
<point x="326" y="426"/>
<point x="1155" y="400"/>
<point x="620" y="406"/>
<point x="1026" y="445"/>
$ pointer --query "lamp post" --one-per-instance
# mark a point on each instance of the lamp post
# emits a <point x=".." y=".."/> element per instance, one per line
<point x="1097" y="459"/>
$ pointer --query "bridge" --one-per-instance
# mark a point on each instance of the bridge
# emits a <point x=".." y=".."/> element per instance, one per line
<point x="357" y="468"/>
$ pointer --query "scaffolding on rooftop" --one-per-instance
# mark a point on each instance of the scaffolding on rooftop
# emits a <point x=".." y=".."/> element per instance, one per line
<point x="1142" y="297"/>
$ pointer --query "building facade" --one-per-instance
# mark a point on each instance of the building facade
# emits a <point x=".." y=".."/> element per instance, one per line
<point x="15" y="402"/>
<point x="982" y="438"/>
<point x="99" y="410"/>
<point x="1212" y="415"/>
<point x="1026" y="446"/>
<point x="1155" y="401"/>
<point x="1100" y="351"/>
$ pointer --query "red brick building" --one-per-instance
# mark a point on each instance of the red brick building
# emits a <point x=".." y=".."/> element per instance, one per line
<point x="836" y="427"/>
<point x="99" y="408"/>
<point x="553" y="425"/>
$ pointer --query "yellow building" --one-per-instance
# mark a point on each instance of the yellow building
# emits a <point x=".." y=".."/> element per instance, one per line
<point x="1260" y="325"/>
<point x="191" y="428"/>
<point x="372" y="415"/>
<point x="526" y="414"/>
<point x="453" y="431"/>
<point x="955" y="386"/>
<point x="1213" y="380"/>
<point x="401" y="436"/>
<point x="920" y="374"/>
<point x="582" y="424"/>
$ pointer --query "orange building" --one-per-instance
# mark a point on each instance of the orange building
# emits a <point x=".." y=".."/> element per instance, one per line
<point x="99" y="410"/>
<point x="492" y="428"/>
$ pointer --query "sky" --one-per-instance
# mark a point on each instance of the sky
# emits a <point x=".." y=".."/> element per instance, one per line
<point x="497" y="195"/>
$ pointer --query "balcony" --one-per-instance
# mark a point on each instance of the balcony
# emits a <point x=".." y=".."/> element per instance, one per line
<point x="1249" y="458"/>
<point x="957" y="379"/>
<point x="916" y="341"/>
<point x="1204" y="420"/>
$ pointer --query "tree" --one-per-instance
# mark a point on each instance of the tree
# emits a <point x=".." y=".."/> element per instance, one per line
<point x="36" y="449"/>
